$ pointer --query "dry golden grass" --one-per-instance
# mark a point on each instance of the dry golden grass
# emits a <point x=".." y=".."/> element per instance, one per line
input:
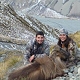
<point x="76" y="37"/>
<point x="2" y="51"/>
<point x="51" y="48"/>
<point x="11" y="60"/>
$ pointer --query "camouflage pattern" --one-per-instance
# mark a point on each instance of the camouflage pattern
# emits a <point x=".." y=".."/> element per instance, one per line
<point x="72" y="49"/>
<point x="45" y="47"/>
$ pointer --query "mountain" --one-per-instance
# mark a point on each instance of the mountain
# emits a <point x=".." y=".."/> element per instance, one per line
<point x="48" y="8"/>
<point x="20" y="29"/>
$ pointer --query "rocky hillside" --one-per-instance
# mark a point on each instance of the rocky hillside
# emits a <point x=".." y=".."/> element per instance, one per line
<point x="69" y="8"/>
<point x="13" y="28"/>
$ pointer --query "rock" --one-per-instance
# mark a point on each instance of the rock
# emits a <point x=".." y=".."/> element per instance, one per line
<point x="79" y="70"/>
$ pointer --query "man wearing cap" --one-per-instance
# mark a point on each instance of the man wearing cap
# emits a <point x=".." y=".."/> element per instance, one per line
<point x="66" y="43"/>
<point x="37" y="48"/>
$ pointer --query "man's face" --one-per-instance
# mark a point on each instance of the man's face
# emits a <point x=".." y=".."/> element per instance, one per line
<point x="40" y="39"/>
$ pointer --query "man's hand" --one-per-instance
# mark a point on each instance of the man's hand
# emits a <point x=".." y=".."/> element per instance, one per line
<point x="31" y="58"/>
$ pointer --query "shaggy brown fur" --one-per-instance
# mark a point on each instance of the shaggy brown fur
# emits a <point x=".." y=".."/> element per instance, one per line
<point x="45" y="68"/>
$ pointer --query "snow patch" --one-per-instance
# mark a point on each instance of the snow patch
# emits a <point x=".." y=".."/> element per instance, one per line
<point x="51" y="13"/>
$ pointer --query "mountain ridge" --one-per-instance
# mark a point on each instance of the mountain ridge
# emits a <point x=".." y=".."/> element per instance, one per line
<point x="69" y="8"/>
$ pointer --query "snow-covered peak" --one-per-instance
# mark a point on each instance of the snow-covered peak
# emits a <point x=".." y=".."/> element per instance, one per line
<point x="51" y="13"/>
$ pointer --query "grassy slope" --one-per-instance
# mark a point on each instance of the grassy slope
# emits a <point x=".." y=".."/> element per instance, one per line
<point x="76" y="37"/>
<point x="12" y="57"/>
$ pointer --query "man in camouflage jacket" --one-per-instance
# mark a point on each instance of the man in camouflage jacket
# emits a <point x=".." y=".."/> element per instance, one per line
<point x="37" y="48"/>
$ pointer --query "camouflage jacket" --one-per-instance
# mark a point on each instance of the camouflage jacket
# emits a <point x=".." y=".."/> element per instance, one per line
<point x="44" y="49"/>
<point x="72" y="49"/>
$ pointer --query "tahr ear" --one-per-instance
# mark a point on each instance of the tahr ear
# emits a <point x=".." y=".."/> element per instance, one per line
<point x="56" y="48"/>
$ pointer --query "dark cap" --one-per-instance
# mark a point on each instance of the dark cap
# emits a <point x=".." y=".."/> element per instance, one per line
<point x="39" y="33"/>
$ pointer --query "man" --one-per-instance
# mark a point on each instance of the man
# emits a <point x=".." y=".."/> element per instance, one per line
<point x="38" y="48"/>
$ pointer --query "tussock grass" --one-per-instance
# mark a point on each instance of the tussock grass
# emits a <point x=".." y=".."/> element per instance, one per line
<point x="2" y="51"/>
<point x="51" y="48"/>
<point x="12" y="58"/>
<point x="76" y="37"/>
